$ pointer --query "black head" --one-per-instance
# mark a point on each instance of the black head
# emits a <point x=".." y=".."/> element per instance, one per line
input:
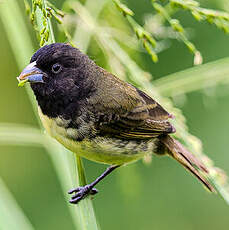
<point x="59" y="75"/>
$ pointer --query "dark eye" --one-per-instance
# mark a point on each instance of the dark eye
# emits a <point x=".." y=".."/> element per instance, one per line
<point x="56" y="68"/>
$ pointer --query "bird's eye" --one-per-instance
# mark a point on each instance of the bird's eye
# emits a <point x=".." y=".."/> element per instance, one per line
<point x="56" y="68"/>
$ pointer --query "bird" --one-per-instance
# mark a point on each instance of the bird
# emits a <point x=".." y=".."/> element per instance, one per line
<point x="99" y="117"/>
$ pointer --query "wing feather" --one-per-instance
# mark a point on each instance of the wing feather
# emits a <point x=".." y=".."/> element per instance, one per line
<point x="127" y="112"/>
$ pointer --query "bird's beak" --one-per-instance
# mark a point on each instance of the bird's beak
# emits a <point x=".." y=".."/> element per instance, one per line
<point x="30" y="74"/>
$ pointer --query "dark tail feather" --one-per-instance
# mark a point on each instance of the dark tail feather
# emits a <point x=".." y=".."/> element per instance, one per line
<point x="189" y="161"/>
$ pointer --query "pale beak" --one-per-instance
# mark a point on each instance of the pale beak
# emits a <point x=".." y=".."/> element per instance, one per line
<point x="31" y="74"/>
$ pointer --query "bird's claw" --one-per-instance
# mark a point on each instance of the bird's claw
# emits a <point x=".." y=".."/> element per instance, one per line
<point x="81" y="193"/>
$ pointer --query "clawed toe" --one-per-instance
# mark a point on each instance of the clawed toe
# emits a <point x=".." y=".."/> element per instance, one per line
<point x="74" y="190"/>
<point x="75" y="201"/>
<point x="81" y="193"/>
<point x="94" y="191"/>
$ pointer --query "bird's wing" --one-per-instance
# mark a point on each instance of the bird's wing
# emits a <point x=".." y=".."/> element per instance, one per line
<point x="129" y="113"/>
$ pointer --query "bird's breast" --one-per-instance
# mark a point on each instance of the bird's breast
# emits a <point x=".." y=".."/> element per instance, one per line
<point x="100" y="149"/>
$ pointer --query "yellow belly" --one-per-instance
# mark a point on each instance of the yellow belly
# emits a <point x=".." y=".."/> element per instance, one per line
<point x="99" y="149"/>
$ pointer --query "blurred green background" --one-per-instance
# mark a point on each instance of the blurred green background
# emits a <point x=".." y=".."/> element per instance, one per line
<point x="159" y="196"/>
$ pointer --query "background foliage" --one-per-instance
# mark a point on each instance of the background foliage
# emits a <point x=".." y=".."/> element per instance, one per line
<point x="136" y="196"/>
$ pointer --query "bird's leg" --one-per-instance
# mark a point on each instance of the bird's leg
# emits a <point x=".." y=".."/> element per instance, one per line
<point x="82" y="192"/>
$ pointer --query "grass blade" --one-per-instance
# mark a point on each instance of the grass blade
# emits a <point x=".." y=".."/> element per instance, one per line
<point x="12" y="216"/>
<point x="85" y="213"/>
<point x="15" y="134"/>
<point x="195" y="78"/>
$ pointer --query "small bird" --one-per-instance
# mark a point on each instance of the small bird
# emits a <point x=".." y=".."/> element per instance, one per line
<point x="100" y="117"/>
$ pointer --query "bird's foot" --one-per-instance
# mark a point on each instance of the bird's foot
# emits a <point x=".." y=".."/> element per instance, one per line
<point x="81" y="193"/>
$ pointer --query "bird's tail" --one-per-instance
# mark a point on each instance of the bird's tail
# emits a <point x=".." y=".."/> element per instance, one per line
<point x="176" y="150"/>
